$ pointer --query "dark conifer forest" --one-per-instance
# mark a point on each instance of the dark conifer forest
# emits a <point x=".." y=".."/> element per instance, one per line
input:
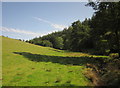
<point x="99" y="34"/>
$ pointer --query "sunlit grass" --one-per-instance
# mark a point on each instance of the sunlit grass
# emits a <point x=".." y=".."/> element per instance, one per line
<point x="20" y="71"/>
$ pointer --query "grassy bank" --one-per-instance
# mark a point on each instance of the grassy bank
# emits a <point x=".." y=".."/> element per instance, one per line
<point x="25" y="64"/>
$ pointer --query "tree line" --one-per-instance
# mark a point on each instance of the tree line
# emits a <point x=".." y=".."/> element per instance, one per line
<point x="98" y="34"/>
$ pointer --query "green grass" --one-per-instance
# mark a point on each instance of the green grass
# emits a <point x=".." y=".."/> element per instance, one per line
<point x="0" y="61"/>
<point x="26" y="64"/>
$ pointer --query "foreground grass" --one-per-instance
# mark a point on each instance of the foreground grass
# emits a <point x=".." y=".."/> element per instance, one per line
<point x="25" y="64"/>
<point x="0" y="61"/>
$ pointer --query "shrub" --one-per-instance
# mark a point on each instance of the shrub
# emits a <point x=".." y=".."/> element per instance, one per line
<point x="47" y="43"/>
<point x="114" y="55"/>
<point x="58" y="43"/>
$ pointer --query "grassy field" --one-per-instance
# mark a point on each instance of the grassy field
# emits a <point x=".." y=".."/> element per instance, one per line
<point x="26" y="64"/>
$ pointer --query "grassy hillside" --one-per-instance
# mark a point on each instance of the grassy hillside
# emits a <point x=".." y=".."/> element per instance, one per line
<point x="25" y="64"/>
<point x="0" y="61"/>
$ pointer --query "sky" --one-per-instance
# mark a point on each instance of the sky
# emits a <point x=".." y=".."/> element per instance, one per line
<point x="27" y="20"/>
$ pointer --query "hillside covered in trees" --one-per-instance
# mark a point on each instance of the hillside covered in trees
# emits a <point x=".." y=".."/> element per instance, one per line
<point x="97" y="35"/>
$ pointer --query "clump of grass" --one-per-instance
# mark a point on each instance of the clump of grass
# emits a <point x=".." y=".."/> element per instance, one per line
<point x="16" y="79"/>
<point x="48" y="70"/>
<point x="59" y="68"/>
<point x="70" y="71"/>
<point x="18" y="74"/>
<point x="57" y="80"/>
<point x="47" y="82"/>
<point x="29" y="81"/>
<point x="32" y="68"/>
<point x="68" y="81"/>
<point x="114" y="55"/>
<point x="46" y="63"/>
<point x="43" y="68"/>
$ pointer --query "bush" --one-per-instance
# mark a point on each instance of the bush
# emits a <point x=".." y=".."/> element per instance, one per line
<point x="114" y="55"/>
<point x="58" y="43"/>
<point x="47" y="43"/>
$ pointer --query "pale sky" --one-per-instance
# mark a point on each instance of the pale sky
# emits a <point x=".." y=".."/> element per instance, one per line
<point x="26" y="20"/>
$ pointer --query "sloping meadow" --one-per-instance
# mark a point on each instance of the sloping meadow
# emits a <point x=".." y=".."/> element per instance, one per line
<point x="26" y="64"/>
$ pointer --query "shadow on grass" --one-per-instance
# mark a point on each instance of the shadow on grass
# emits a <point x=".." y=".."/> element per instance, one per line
<point x="83" y="60"/>
<point x="55" y="50"/>
<point x="65" y="85"/>
<point x="57" y="59"/>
